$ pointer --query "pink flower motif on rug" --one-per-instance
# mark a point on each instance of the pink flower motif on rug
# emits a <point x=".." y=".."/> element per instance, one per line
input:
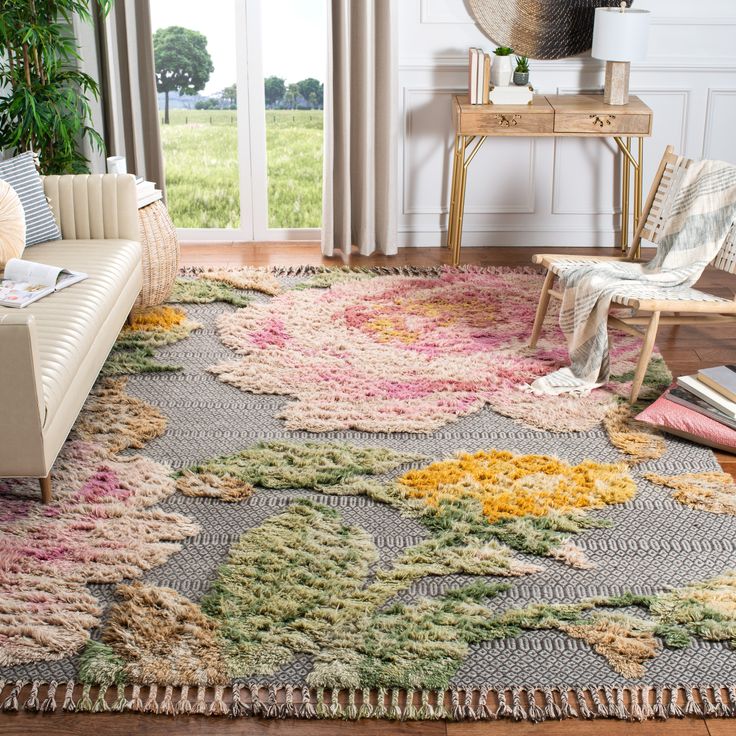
<point x="98" y="530"/>
<point x="409" y="354"/>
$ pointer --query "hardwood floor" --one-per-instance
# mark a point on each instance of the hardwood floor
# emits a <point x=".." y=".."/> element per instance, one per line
<point x="685" y="348"/>
<point x="141" y="725"/>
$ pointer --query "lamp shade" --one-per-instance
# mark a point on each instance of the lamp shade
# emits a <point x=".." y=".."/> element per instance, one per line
<point x="621" y="35"/>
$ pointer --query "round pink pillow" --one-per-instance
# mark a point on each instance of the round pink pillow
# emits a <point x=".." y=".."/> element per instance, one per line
<point x="12" y="224"/>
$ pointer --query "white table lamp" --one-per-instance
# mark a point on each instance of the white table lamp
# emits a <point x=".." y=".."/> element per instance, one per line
<point x="620" y="36"/>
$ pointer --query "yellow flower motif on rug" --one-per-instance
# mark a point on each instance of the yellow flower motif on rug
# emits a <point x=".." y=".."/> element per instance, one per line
<point x="148" y="330"/>
<point x="157" y="318"/>
<point x="511" y="486"/>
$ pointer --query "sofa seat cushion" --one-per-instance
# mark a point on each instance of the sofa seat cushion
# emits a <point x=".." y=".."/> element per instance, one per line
<point x="68" y="321"/>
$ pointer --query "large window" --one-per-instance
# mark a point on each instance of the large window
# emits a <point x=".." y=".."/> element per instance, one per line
<point x="294" y="61"/>
<point x="243" y="128"/>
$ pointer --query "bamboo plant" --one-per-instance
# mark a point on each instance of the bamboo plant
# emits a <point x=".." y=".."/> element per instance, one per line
<point x="44" y="97"/>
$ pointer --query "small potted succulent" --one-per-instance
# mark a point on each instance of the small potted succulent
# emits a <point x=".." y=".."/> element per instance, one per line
<point x="502" y="69"/>
<point x="521" y="73"/>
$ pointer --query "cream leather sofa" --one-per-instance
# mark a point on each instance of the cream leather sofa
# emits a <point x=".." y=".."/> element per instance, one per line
<point x="52" y="351"/>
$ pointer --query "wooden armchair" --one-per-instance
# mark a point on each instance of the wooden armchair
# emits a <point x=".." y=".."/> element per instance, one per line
<point x="670" y="306"/>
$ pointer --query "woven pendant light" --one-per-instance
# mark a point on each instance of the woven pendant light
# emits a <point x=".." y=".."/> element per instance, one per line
<point x="540" y="29"/>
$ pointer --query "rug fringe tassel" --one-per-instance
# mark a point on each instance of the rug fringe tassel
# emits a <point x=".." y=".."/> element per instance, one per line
<point x="691" y="707"/>
<point x="366" y="709"/>
<point x="299" y="271"/>
<point x="637" y="714"/>
<point x="551" y="709"/>
<point x="32" y="703"/>
<point x="10" y="704"/>
<point x="183" y="706"/>
<point x="647" y="711"/>
<point x="100" y="705"/>
<point x="69" y="697"/>
<point x="136" y="703"/>
<point x="567" y="710"/>
<point x="121" y="703"/>
<point x="239" y="700"/>
<point x="49" y="704"/>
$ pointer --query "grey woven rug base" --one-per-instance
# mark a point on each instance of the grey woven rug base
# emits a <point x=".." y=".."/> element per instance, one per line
<point x="654" y="541"/>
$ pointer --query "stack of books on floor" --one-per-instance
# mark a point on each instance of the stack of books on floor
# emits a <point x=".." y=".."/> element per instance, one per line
<point x="699" y="408"/>
<point x="711" y="392"/>
<point x="147" y="192"/>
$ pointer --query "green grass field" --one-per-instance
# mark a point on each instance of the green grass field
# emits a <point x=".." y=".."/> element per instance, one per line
<point x="201" y="155"/>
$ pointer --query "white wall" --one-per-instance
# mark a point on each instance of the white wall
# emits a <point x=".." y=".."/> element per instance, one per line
<point x="555" y="191"/>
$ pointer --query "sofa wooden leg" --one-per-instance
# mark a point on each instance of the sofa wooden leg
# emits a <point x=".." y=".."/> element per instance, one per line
<point x="45" y="488"/>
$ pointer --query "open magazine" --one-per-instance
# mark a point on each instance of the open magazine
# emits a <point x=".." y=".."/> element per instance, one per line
<point x="25" y="282"/>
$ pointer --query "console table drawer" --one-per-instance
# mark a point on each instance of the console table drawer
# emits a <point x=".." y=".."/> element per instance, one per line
<point x="509" y="123"/>
<point x="610" y="123"/>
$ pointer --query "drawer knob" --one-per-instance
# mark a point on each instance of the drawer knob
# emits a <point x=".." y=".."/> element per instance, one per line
<point x="602" y="121"/>
<point x="508" y="121"/>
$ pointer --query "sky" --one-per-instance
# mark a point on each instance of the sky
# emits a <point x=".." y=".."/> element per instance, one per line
<point x="294" y="35"/>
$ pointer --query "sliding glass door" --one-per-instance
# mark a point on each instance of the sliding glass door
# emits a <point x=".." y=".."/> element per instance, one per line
<point x="241" y="90"/>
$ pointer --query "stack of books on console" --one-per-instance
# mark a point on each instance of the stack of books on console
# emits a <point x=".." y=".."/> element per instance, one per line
<point x="711" y="392"/>
<point x="479" y="76"/>
<point x="479" y="84"/>
<point x="147" y="192"/>
<point x="511" y="95"/>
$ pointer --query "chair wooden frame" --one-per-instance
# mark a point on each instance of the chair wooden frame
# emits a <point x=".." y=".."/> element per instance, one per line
<point x="647" y="314"/>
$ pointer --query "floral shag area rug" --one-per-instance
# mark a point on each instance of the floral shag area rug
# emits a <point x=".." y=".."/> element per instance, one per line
<point x="313" y="493"/>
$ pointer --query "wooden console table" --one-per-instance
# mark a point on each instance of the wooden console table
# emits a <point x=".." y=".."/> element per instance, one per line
<point x="549" y="116"/>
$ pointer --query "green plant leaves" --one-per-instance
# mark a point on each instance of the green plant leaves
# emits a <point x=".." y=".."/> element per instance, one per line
<point x="44" y="103"/>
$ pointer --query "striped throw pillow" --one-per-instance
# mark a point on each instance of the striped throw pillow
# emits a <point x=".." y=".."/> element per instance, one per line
<point x="21" y="173"/>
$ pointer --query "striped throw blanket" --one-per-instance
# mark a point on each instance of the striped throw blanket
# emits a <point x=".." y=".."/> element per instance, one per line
<point x="699" y="216"/>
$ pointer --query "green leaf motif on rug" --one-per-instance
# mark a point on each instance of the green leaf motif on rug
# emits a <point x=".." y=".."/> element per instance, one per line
<point x="331" y="278"/>
<point x="299" y="584"/>
<point x="100" y="665"/>
<point x="310" y="465"/>
<point x="409" y="646"/>
<point x="135" y="349"/>
<point x="139" y="360"/>
<point x="286" y="585"/>
<point x="495" y="501"/>
<point x="202" y="291"/>
<point x="658" y="376"/>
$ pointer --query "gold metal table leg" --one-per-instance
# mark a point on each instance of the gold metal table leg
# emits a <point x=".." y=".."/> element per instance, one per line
<point x="452" y="214"/>
<point x="638" y="193"/>
<point x="625" y="198"/>
<point x="455" y="224"/>
<point x="462" y="189"/>
<point x="637" y="164"/>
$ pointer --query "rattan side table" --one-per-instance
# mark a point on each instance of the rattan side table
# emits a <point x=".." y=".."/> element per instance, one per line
<point x="160" y="246"/>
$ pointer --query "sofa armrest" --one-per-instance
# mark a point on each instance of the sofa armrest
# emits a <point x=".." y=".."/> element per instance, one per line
<point x="94" y="206"/>
<point x="21" y="394"/>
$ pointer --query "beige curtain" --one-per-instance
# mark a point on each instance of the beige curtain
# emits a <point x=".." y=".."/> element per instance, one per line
<point x="119" y="53"/>
<point x="361" y="128"/>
